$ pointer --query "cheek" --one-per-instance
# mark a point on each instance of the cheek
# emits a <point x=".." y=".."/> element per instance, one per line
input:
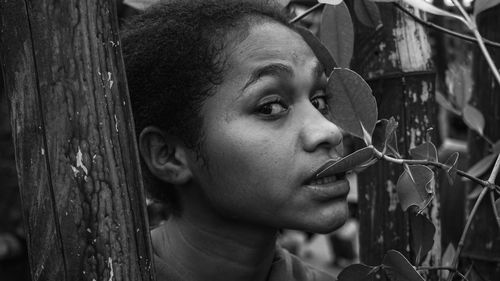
<point x="248" y="166"/>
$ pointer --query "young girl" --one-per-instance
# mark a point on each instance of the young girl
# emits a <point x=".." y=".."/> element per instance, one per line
<point x="233" y="127"/>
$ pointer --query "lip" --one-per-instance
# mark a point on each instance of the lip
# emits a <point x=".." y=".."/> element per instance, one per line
<point x="322" y="185"/>
<point x="334" y="190"/>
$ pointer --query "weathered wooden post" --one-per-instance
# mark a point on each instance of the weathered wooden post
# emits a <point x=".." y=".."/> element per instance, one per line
<point x="396" y="62"/>
<point x="482" y="244"/>
<point x="76" y="156"/>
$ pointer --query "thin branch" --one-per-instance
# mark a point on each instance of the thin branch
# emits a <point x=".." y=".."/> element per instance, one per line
<point x="443" y="268"/>
<point x="481" y="182"/>
<point x="473" y="27"/>
<point x="461" y="243"/>
<point x="307" y="12"/>
<point x="445" y="30"/>
<point x="494" y="172"/>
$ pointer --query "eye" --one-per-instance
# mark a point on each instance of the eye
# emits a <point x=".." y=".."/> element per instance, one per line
<point x="320" y="103"/>
<point x="275" y="107"/>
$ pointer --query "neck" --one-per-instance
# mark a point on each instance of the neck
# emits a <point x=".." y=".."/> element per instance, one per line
<point x="206" y="249"/>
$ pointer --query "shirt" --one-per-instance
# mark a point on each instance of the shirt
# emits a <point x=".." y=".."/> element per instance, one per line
<point x="285" y="267"/>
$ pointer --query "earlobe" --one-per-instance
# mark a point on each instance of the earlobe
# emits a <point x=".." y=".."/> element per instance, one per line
<point x="164" y="155"/>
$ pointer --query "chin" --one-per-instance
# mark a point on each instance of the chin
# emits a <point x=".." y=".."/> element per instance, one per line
<point x="329" y="219"/>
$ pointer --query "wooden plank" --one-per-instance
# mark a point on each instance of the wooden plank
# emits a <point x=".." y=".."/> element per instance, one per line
<point x="396" y="61"/>
<point x="76" y="154"/>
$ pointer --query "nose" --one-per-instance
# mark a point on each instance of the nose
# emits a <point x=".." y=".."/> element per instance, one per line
<point x="320" y="133"/>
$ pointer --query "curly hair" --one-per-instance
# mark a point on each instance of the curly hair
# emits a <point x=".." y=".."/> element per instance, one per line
<point x="174" y="58"/>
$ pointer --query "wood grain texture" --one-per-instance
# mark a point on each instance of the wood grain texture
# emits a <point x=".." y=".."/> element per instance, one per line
<point x="76" y="154"/>
<point x="396" y="62"/>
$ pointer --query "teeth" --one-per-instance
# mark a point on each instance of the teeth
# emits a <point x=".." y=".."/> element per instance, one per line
<point x="324" y="180"/>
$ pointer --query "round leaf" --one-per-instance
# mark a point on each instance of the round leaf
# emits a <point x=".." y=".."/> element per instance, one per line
<point x="337" y="33"/>
<point x="383" y="132"/>
<point x="357" y="272"/>
<point x="496" y="208"/>
<point x="429" y="8"/>
<point x="482" y="5"/>
<point x="321" y="52"/>
<point x="415" y="186"/>
<point x="425" y="151"/>
<point x="496" y="147"/>
<point x="283" y="3"/>
<point x="368" y="13"/>
<point x="330" y="2"/>
<point x="352" y="104"/>
<point x="349" y="162"/>
<point x="422" y="233"/>
<point x="398" y="268"/>
<point x="474" y="119"/>
<point x="482" y="166"/>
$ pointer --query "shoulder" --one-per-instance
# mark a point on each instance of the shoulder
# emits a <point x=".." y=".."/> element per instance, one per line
<point x="288" y="267"/>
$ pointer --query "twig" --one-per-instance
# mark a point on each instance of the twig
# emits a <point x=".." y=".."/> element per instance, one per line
<point x="472" y="25"/>
<point x="443" y="268"/>
<point x="445" y="30"/>
<point x="481" y="182"/>
<point x="307" y="12"/>
<point x="494" y="172"/>
<point x="461" y="243"/>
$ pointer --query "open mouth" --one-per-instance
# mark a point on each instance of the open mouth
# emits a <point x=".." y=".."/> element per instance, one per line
<point x="328" y="179"/>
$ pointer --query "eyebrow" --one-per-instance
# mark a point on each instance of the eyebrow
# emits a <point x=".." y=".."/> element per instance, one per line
<point x="279" y="70"/>
<point x="275" y="69"/>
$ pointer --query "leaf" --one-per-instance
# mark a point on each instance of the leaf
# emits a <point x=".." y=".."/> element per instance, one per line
<point x="495" y="204"/>
<point x="472" y="275"/>
<point x="383" y="132"/>
<point x="483" y="5"/>
<point x="417" y="191"/>
<point x="368" y="13"/>
<point x="349" y="162"/>
<point x="482" y="165"/>
<point x="337" y="33"/>
<point x="475" y="193"/>
<point x="425" y="151"/>
<point x="351" y="103"/>
<point x="451" y="170"/>
<point x="319" y="50"/>
<point x="330" y="2"/>
<point x="422" y="232"/>
<point x="398" y="268"/>
<point x="357" y="272"/>
<point x="474" y="119"/>
<point x="429" y="8"/>
<point x="496" y="147"/>
<point x="458" y="79"/>
<point x="447" y="260"/>
<point x="446" y="104"/>
<point x="283" y="3"/>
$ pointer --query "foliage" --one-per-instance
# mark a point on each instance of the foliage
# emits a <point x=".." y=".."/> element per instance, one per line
<point x="355" y="111"/>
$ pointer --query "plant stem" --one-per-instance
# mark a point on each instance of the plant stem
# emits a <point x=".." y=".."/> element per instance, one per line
<point x="494" y="172"/>
<point x="472" y="25"/>
<point x="307" y="12"/>
<point x="445" y="30"/>
<point x="443" y="268"/>
<point x="461" y="243"/>
<point x="435" y="164"/>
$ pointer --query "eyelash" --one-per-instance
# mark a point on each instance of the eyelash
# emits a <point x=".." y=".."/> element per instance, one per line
<point x="269" y="106"/>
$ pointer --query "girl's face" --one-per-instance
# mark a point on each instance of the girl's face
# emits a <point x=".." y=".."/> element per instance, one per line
<point x="266" y="135"/>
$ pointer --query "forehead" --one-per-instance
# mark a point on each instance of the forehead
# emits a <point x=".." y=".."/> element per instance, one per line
<point x="269" y="42"/>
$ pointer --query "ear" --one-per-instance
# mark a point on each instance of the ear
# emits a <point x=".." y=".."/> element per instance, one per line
<point x="165" y="156"/>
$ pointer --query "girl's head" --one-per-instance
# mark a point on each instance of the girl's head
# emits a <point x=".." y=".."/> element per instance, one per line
<point x="231" y="114"/>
